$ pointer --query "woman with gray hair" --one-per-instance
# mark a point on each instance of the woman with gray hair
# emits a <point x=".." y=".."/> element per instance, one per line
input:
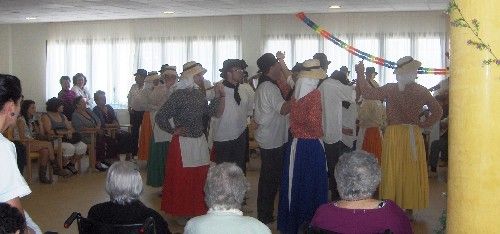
<point x="358" y="176"/>
<point x="124" y="187"/>
<point x="225" y="189"/>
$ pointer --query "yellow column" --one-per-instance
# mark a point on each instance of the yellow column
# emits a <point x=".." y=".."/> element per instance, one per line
<point x="474" y="162"/>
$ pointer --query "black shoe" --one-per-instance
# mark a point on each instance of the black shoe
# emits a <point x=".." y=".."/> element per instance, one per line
<point x="100" y="166"/>
<point x="107" y="163"/>
<point x="71" y="167"/>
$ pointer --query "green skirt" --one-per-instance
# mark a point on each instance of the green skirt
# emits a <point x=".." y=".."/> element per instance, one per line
<point x="156" y="163"/>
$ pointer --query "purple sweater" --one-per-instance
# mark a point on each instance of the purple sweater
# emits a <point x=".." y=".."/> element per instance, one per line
<point x="341" y="220"/>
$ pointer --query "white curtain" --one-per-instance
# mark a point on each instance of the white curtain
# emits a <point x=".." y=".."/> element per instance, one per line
<point x="426" y="47"/>
<point x="390" y="35"/>
<point x="109" y="64"/>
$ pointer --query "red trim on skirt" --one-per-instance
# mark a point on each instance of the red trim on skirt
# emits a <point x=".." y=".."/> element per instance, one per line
<point x="183" y="187"/>
<point x="373" y="142"/>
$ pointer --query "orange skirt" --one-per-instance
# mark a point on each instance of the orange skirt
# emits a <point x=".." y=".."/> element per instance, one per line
<point x="372" y="142"/>
<point x="145" y="136"/>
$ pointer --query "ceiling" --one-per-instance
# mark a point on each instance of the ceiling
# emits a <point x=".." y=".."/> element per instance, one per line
<point x="16" y="11"/>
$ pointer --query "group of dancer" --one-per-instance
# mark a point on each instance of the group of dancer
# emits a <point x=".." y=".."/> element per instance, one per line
<point x="303" y="126"/>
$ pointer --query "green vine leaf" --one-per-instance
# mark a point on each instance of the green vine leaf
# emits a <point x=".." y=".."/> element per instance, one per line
<point x="473" y="26"/>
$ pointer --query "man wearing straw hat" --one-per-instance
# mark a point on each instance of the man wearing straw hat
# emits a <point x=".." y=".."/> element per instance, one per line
<point x="188" y="157"/>
<point x="271" y="134"/>
<point x="404" y="166"/>
<point x="229" y="130"/>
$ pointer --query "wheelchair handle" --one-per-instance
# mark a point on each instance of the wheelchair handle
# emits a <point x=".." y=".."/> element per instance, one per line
<point x="70" y="220"/>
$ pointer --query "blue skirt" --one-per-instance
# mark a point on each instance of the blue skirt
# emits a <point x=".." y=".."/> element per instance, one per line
<point x="309" y="182"/>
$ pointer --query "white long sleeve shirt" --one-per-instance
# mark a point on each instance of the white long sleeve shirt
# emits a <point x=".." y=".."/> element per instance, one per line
<point x="233" y="121"/>
<point x="332" y="94"/>
<point x="272" y="131"/>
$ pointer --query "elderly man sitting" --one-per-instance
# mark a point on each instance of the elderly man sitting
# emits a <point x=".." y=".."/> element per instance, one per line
<point x="358" y="176"/>
<point x="124" y="187"/>
<point x="225" y="190"/>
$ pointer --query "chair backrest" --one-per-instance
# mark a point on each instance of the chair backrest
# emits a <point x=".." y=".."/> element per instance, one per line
<point x="88" y="226"/>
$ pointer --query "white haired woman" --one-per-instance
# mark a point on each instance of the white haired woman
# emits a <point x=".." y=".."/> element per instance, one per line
<point x="225" y="190"/>
<point x="358" y="175"/>
<point x="404" y="166"/>
<point x="124" y="187"/>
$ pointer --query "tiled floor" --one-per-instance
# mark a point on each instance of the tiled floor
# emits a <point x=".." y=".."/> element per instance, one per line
<point x="50" y="205"/>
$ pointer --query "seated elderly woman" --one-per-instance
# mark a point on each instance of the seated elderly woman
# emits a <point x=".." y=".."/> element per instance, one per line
<point x="124" y="187"/>
<point x="358" y="176"/>
<point x="29" y="129"/>
<point x="55" y="123"/>
<point x="225" y="190"/>
<point x="107" y="116"/>
<point x="85" y="121"/>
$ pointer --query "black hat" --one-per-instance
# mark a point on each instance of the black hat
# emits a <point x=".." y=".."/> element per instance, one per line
<point x="370" y="70"/>
<point x="345" y="70"/>
<point x="265" y="62"/>
<point x="298" y="67"/>
<point x="230" y="63"/>
<point x="163" y="68"/>
<point x="141" y="72"/>
<point x="323" y="60"/>
<point x="340" y="76"/>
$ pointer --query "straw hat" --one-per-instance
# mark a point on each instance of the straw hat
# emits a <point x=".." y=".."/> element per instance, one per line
<point x="169" y="70"/>
<point x="407" y="65"/>
<point x="152" y="76"/>
<point x="312" y="69"/>
<point x="191" y="69"/>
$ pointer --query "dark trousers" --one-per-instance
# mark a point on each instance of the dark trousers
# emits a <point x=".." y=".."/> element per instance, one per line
<point x="106" y="148"/>
<point x="333" y="152"/>
<point x="438" y="146"/>
<point x="21" y="155"/>
<point x="232" y="151"/>
<point x="269" y="182"/>
<point x="135" y="121"/>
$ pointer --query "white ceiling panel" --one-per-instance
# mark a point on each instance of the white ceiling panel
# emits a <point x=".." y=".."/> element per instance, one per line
<point x="16" y="11"/>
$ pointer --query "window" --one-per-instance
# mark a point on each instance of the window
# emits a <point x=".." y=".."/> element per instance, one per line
<point x="109" y="64"/>
<point x="395" y="49"/>
<point x="337" y="55"/>
<point x="426" y="48"/>
<point x="370" y="45"/>
<point x="283" y="44"/>
<point x="305" y="48"/>
<point x="430" y="53"/>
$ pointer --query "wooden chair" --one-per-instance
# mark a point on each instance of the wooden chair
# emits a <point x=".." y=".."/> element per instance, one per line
<point x="90" y="151"/>
<point x="30" y="156"/>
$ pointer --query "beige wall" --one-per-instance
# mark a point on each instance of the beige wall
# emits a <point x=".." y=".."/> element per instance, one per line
<point x="23" y="46"/>
<point x="5" y="45"/>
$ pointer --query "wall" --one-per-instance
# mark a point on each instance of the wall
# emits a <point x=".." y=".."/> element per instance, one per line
<point x="28" y="59"/>
<point x="5" y="49"/>
<point x="23" y="46"/>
